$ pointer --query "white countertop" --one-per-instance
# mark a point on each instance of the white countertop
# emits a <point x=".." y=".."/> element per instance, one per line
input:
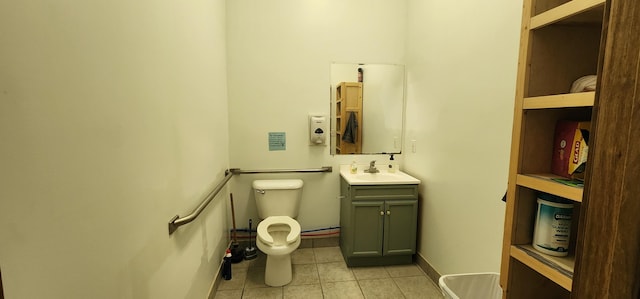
<point x="384" y="177"/>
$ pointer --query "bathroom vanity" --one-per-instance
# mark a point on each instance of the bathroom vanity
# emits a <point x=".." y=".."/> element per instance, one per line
<point x="378" y="217"/>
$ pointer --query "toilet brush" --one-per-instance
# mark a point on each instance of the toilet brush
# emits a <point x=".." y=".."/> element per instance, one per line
<point x="237" y="254"/>
<point x="250" y="252"/>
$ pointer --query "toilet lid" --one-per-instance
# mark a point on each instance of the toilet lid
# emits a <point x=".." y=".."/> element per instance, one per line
<point x="266" y="238"/>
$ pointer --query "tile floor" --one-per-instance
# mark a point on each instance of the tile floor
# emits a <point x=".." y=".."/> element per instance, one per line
<point x="321" y="272"/>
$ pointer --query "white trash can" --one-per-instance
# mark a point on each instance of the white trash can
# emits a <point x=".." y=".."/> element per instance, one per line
<point x="471" y="286"/>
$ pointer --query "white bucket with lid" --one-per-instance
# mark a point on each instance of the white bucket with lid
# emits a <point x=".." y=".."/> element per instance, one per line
<point x="552" y="229"/>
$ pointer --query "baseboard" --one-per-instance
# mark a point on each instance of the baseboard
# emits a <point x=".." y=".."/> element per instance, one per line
<point x="427" y="268"/>
<point x="214" y="285"/>
<point x="216" y="280"/>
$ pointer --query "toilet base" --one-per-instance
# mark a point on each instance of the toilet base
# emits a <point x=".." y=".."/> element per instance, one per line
<point x="278" y="270"/>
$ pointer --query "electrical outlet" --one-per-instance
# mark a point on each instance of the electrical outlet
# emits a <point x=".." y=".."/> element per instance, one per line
<point x="413" y="146"/>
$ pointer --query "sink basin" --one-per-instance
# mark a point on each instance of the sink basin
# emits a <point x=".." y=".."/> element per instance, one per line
<point x="381" y="178"/>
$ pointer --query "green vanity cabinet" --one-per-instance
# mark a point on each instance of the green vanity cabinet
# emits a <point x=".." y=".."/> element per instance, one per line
<point x="378" y="224"/>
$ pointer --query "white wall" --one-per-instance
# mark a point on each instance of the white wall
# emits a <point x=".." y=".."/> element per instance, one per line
<point x="461" y="65"/>
<point x="279" y="58"/>
<point x="383" y="109"/>
<point x="113" y="118"/>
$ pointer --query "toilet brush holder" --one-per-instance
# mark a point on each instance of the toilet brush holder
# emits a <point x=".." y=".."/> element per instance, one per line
<point x="250" y="252"/>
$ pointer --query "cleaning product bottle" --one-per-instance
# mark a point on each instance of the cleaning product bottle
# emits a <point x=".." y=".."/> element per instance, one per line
<point x="392" y="164"/>
<point x="226" y="265"/>
<point x="354" y="167"/>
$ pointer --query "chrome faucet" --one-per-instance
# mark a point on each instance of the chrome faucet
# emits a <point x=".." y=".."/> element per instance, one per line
<point x="372" y="167"/>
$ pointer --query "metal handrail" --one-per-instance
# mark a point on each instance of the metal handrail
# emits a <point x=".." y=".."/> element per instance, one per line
<point x="322" y="169"/>
<point x="178" y="221"/>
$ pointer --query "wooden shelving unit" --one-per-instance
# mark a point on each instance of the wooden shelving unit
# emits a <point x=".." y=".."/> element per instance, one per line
<point x="544" y="183"/>
<point x="348" y="100"/>
<point x="557" y="269"/>
<point x="582" y="99"/>
<point x="560" y="42"/>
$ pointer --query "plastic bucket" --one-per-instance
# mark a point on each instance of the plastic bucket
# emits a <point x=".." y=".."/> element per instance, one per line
<point x="471" y="286"/>
<point x="553" y="225"/>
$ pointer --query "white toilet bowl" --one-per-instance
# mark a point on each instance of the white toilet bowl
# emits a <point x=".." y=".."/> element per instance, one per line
<point x="278" y="237"/>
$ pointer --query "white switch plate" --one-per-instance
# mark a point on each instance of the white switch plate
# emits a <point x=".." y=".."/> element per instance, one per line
<point x="413" y="146"/>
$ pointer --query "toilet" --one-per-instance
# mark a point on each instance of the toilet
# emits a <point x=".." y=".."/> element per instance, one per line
<point x="278" y="202"/>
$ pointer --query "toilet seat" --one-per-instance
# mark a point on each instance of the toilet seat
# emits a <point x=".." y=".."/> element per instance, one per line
<point x="265" y="236"/>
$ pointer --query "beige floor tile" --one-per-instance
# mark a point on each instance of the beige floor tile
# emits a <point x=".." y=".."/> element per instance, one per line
<point x="383" y="288"/>
<point x="404" y="271"/>
<point x="337" y="271"/>
<point x="244" y="264"/>
<point x="228" y="294"/>
<point x="303" y="256"/>
<point x="238" y="277"/>
<point x="326" y="242"/>
<point x="304" y="274"/>
<point x="370" y="272"/>
<point x="322" y="273"/>
<point x="328" y="254"/>
<point x="259" y="262"/>
<point x="418" y="287"/>
<point x="342" y="290"/>
<point x="263" y="293"/>
<point x="310" y="291"/>
<point x="306" y="243"/>
<point x="255" y="278"/>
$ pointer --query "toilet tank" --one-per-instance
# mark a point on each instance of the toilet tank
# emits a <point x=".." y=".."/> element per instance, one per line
<point x="278" y="197"/>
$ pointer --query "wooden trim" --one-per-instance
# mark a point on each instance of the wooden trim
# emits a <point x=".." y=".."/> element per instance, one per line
<point x="1" y="288"/>
<point x="544" y="183"/>
<point x="609" y="254"/>
<point x="582" y="99"/>
<point x="564" y="11"/>
<point x="521" y="89"/>
<point x="540" y="267"/>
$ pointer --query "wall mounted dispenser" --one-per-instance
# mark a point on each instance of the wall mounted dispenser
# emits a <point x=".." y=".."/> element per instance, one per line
<point x="317" y="129"/>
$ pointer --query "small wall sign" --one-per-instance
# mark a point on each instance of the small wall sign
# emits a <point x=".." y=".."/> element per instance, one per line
<point x="277" y="141"/>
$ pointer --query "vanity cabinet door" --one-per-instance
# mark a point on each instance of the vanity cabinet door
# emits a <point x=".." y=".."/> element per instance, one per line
<point x="368" y="222"/>
<point x="401" y="217"/>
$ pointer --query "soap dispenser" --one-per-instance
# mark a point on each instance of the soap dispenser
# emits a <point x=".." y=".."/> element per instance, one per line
<point x="354" y="167"/>
<point x="393" y="166"/>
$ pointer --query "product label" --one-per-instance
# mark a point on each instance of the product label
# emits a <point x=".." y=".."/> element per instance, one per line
<point x="576" y="152"/>
<point x="553" y="228"/>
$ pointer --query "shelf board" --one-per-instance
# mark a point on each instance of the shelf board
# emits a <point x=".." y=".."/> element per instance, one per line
<point x="557" y="269"/>
<point x="582" y="10"/>
<point x="581" y="99"/>
<point x="544" y="183"/>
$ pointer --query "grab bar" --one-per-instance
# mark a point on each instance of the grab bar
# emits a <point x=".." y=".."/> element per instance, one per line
<point x="322" y="169"/>
<point x="178" y="221"/>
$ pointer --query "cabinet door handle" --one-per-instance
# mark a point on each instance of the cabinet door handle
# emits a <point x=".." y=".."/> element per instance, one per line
<point x="381" y="213"/>
<point x="388" y="212"/>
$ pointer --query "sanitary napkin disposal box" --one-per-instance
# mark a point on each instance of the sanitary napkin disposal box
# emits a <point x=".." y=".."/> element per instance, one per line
<point x="570" y="147"/>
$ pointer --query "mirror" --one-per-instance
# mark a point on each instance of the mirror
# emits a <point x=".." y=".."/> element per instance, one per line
<point x="367" y="108"/>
